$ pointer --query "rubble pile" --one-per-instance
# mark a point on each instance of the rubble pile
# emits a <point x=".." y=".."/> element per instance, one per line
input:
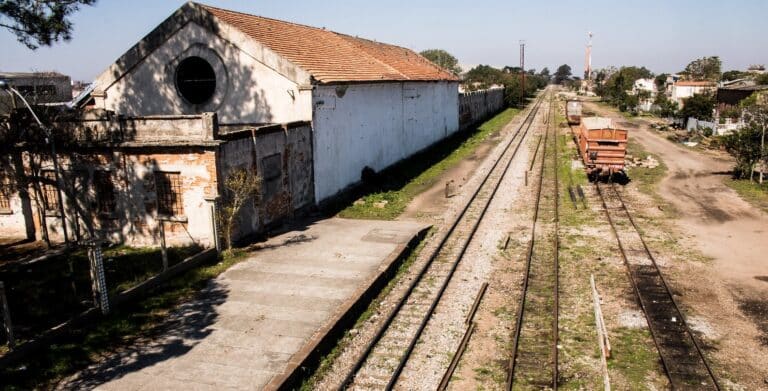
<point x="648" y="162"/>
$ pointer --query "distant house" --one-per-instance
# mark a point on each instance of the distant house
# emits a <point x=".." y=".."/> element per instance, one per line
<point x="685" y="89"/>
<point x="37" y="88"/>
<point x="647" y="88"/>
<point x="727" y="114"/>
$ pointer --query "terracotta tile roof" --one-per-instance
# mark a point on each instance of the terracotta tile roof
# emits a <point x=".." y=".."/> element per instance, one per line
<point x="690" y="83"/>
<point x="333" y="57"/>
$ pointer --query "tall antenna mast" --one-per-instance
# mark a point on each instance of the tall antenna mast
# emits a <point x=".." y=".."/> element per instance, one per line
<point x="588" y="59"/>
<point x="522" y="71"/>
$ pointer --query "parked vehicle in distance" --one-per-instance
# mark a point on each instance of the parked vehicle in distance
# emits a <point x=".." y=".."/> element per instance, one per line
<point x="573" y="112"/>
<point x="601" y="146"/>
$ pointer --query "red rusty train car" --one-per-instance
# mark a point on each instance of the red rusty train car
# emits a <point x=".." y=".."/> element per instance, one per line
<point x="603" y="147"/>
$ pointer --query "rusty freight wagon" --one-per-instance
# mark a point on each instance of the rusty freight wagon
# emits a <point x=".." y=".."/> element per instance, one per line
<point x="573" y="112"/>
<point x="602" y="147"/>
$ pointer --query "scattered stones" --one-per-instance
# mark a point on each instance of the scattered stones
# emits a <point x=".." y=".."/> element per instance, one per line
<point x="632" y="319"/>
<point x="380" y="204"/>
<point x="359" y="202"/>
<point x="648" y="162"/>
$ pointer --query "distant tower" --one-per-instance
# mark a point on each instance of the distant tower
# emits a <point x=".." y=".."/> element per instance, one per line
<point x="588" y="59"/>
<point x="522" y="71"/>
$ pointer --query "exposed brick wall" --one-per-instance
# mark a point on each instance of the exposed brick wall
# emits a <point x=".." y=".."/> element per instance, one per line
<point x="136" y="221"/>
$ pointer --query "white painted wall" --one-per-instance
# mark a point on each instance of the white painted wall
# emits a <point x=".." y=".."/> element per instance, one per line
<point x="247" y="90"/>
<point x="376" y="125"/>
<point x="12" y="222"/>
<point x="680" y="93"/>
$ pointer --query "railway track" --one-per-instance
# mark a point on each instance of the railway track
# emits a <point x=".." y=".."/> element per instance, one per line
<point x="533" y="363"/>
<point x="385" y="357"/>
<point x="681" y="356"/>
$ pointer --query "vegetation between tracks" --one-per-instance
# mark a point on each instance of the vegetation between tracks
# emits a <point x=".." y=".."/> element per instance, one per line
<point x="125" y="326"/>
<point x="586" y="247"/>
<point x="398" y="185"/>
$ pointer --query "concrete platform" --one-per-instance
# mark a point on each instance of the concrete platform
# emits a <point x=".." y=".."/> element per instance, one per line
<point x="254" y="325"/>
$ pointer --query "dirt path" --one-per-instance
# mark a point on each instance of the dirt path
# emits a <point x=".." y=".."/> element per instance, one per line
<point x="432" y="202"/>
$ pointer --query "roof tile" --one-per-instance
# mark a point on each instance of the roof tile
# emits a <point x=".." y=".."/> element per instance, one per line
<point x="333" y="57"/>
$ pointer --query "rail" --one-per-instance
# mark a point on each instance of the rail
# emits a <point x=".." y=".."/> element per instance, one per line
<point x="393" y="377"/>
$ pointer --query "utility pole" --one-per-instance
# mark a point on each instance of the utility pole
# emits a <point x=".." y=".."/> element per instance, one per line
<point x="522" y="70"/>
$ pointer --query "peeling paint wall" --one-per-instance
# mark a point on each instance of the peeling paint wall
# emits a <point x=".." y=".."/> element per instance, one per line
<point x="13" y="223"/>
<point x="376" y="125"/>
<point x="282" y="157"/>
<point x="136" y="220"/>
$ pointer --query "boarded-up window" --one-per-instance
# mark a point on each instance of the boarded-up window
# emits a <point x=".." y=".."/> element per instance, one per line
<point x="105" y="192"/>
<point x="50" y="192"/>
<point x="169" y="193"/>
<point x="272" y="171"/>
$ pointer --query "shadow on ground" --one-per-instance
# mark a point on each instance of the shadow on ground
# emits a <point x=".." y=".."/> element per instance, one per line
<point x="185" y="327"/>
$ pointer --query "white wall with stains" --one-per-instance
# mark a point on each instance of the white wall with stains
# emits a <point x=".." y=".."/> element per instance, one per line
<point x="376" y="125"/>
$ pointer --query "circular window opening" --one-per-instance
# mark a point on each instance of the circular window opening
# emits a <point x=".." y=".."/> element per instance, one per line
<point x="195" y="80"/>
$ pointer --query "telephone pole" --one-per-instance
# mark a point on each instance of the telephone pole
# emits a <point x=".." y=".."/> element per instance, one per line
<point x="522" y="71"/>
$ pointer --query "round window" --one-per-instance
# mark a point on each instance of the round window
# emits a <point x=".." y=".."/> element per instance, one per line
<point x="195" y="80"/>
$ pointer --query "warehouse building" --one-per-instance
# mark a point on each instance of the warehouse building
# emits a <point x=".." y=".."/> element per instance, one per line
<point x="209" y="90"/>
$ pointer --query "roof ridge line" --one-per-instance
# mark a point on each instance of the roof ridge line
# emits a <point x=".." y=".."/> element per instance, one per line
<point x="266" y="17"/>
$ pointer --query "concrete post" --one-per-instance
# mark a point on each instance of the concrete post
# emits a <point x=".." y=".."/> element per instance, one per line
<point x="215" y="239"/>
<point x="163" y="248"/>
<point x="7" y="317"/>
<point x="98" y="280"/>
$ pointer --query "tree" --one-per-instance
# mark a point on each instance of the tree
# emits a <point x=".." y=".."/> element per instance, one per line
<point x="705" y="68"/>
<point x="699" y="106"/>
<point x="762" y="79"/>
<point x="239" y="187"/>
<point x="744" y="145"/>
<point x="39" y="22"/>
<point x="443" y="59"/>
<point x="615" y="87"/>
<point x="733" y="75"/>
<point x="562" y="74"/>
<point x="484" y="76"/>
<point x="755" y="113"/>
<point x="660" y="81"/>
<point x="665" y="107"/>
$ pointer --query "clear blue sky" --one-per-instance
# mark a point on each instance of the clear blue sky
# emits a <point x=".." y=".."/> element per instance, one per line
<point x="661" y="35"/>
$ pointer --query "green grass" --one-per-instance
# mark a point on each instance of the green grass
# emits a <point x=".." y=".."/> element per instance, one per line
<point x="633" y="357"/>
<point x="752" y="192"/>
<point x="50" y="292"/>
<point x="647" y="178"/>
<point x="399" y="184"/>
<point x="125" y="325"/>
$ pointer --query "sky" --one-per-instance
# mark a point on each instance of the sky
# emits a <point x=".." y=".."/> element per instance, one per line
<point x="662" y="35"/>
